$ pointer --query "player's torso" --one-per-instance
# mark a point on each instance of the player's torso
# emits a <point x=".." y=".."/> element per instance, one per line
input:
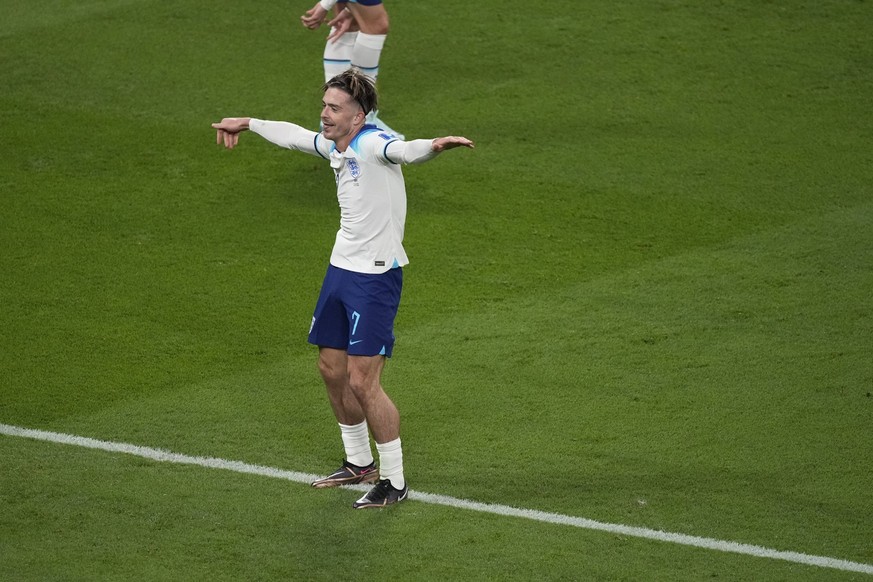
<point x="370" y="190"/>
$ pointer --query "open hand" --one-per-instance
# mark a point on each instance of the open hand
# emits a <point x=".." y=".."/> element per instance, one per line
<point x="451" y="141"/>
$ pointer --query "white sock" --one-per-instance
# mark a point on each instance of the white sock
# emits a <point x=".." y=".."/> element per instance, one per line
<point x="368" y="49"/>
<point x="338" y="55"/>
<point x="391" y="463"/>
<point x="356" y="441"/>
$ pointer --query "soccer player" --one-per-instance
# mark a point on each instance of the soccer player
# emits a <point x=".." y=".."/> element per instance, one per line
<point x="353" y="322"/>
<point x="357" y="36"/>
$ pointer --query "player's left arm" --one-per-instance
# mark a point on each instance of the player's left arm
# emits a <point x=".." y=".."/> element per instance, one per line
<point x="441" y="144"/>
<point x="418" y="151"/>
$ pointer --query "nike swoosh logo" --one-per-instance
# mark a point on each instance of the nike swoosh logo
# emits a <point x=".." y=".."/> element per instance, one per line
<point x="355" y="342"/>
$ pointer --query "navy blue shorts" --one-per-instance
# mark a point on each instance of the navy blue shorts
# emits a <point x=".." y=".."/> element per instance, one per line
<point x="355" y="312"/>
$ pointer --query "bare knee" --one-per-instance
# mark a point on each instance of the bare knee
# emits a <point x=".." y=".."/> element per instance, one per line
<point x="365" y="377"/>
<point x="333" y="367"/>
<point x="364" y="388"/>
<point x="380" y="26"/>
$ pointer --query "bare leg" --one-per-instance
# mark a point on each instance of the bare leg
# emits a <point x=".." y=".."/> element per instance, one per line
<point x="370" y="19"/>
<point x="334" y="367"/>
<point x="364" y="381"/>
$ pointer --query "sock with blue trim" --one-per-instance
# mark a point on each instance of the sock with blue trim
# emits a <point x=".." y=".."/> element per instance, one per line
<point x="366" y="54"/>
<point x="338" y="55"/>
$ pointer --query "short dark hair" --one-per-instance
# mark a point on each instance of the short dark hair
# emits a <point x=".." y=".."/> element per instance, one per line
<point x="361" y="88"/>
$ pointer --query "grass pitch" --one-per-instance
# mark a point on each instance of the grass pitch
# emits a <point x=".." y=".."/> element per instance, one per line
<point x="643" y="299"/>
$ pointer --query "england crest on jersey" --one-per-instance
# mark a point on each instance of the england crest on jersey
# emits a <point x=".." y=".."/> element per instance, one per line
<point x="354" y="168"/>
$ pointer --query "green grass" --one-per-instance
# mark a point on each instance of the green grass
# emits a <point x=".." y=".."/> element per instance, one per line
<point x="644" y="298"/>
<point x="133" y="519"/>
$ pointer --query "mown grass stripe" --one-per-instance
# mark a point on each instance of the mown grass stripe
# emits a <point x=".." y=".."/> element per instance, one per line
<point x="542" y="516"/>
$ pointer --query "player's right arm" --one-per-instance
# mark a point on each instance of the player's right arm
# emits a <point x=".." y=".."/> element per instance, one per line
<point x="280" y="133"/>
<point x="228" y="129"/>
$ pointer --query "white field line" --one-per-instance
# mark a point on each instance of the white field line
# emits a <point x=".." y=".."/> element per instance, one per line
<point x="553" y="518"/>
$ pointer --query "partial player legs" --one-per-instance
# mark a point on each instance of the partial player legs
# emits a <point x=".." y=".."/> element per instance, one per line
<point x="333" y="365"/>
<point x="370" y="19"/>
<point x="365" y="374"/>
<point x="358" y="400"/>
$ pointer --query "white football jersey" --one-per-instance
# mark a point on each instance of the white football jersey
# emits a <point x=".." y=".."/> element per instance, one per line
<point x="370" y="190"/>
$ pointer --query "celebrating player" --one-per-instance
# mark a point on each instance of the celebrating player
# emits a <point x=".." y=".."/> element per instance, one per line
<point x="353" y="323"/>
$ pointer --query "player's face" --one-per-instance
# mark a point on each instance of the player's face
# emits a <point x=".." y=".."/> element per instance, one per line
<point x="341" y="115"/>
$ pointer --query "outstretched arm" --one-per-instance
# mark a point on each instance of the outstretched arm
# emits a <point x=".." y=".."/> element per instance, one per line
<point x="228" y="130"/>
<point x="452" y="141"/>
<point x="422" y="150"/>
<point x="281" y="133"/>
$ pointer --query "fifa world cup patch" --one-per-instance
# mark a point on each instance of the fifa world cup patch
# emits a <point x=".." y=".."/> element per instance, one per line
<point x="354" y="168"/>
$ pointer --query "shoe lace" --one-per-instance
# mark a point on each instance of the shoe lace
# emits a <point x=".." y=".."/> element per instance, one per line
<point x="381" y="490"/>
